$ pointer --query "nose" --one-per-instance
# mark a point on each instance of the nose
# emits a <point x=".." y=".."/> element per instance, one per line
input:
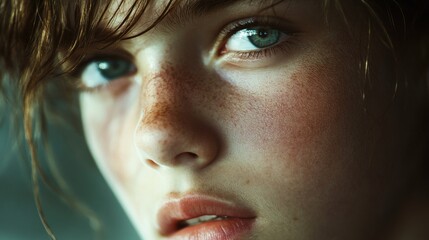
<point x="171" y="132"/>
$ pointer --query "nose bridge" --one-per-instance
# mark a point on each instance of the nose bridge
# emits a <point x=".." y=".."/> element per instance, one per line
<point x="164" y="98"/>
<point x="170" y="132"/>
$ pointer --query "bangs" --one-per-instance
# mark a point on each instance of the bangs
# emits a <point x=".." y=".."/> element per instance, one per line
<point x="100" y="24"/>
<point x="35" y="32"/>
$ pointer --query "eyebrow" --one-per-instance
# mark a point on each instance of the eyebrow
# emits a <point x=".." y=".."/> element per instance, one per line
<point x="183" y="13"/>
<point x="199" y="7"/>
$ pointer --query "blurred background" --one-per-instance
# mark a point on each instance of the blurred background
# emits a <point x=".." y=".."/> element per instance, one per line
<point x="18" y="215"/>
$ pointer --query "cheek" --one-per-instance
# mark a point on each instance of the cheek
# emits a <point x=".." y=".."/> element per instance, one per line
<point x="108" y="123"/>
<point x="300" y="108"/>
<point x="308" y="122"/>
<point x="303" y="141"/>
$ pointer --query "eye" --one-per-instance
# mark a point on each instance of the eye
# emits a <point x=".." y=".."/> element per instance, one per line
<point x="100" y="72"/>
<point x="255" y="38"/>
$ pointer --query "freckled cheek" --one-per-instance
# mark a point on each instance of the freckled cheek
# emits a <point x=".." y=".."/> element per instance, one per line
<point x="298" y="116"/>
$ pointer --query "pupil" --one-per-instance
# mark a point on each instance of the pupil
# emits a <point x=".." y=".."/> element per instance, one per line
<point x="262" y="34"/>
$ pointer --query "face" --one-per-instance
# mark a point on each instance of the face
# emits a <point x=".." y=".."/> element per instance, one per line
<point x="251" y="118"/>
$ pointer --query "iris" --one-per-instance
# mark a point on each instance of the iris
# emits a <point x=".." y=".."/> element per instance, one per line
<point x="262" y="38"/>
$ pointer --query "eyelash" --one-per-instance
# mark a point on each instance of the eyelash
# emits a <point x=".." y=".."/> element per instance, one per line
<point x="263" y="53"/>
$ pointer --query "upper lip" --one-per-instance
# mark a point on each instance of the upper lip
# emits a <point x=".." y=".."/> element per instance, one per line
<point x="175" y="210"/>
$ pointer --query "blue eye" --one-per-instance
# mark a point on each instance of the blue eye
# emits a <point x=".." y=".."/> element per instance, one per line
<point x="251" y="39"/>
<point x="263" y="38"/>
<point x="102" y="71"/>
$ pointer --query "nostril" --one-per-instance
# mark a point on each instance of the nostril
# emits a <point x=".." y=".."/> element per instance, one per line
<point x="191" y="155"/>
<point x="152" y="164"/>
<point x="186" y="157"/>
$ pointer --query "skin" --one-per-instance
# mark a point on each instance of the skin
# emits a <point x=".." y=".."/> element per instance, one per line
<point x="286" y="135"/>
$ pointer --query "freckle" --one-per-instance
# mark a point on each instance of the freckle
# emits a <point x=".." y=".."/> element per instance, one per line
<point x="181" y="93"/>
<point x="295" y="219"/>
<point x="247" y="181"/>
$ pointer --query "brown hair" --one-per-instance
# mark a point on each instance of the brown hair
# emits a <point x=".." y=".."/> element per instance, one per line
<point x="38" y="37"/>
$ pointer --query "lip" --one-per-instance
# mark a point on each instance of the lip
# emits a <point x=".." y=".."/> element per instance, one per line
<point x="239" y="220"/>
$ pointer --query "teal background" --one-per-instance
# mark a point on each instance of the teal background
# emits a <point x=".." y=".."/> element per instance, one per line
<point x="18" y="215"/>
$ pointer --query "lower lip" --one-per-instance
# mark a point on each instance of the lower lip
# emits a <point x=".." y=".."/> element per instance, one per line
<point x="227" y="229"/>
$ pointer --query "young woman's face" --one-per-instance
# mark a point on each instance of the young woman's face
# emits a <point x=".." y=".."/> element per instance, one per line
<point x="249" y="114"/>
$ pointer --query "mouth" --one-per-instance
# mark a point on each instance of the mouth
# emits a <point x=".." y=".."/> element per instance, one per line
<point x="198" y="220"/>
<point x="202" y="217"/>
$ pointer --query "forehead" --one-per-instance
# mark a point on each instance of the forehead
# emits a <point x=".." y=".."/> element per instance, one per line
<point x="178" y="11"/>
